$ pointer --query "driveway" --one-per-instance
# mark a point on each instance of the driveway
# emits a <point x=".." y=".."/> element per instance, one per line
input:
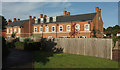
<point x="18" y="59"/>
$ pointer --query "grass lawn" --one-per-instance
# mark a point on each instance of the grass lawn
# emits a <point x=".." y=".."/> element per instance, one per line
<point x="62" y="60"/>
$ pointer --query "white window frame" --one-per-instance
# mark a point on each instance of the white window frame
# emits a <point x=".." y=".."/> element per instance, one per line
<point x="59" y="28"/>
<point x="7" y="30"/>
<point x="54" y="19"/>
<point x="85" y="28"/>
<point x="52" y="28"/>
<point x="35" y="28"/>
<point x="40" y="29"/>
<point x="46" y="29"/>
<point x="36" y="21"/>
<point x="77" y="25"/>
<point x="42" y="20"/>
<point x="19" y="30"/>
<point x="67" y="28"/>
<point x="15" y="30"/>
<point x="11" y="31"/>
<point x="48" y="19"/>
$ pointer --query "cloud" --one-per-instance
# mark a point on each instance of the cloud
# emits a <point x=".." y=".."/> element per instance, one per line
<point x="23" y="9"/>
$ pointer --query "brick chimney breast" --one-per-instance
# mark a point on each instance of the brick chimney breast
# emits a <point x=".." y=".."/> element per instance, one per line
<point x="9" y="21"/>
<point x="30" y="17"/>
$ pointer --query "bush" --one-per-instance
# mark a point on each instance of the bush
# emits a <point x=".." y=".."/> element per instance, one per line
<point x="27" y="39"/>
<point x="19" y="45"/>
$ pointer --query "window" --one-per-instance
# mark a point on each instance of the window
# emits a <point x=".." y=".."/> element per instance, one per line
<point x="36" y="21"/>
<point x="99" y="17"/>
<point x="35" y="29"/>
<point x="11" y="30"/>
<point x="46" y="29"/>
<point x="77" y="27"/>
<point x="53" y="28"/>
<point x="7" y="30"/>
<point x="41" y="29"/>
<point x="86" y="27"/>
<point x="19" y="30"/>
<point x="68" y="28"/>
<point x="48" y="19"/>
<point x="15" y="30"/>
<point x="60" y="28"/>
<point x="54" y="19"/>
<point x="42" y="20"/>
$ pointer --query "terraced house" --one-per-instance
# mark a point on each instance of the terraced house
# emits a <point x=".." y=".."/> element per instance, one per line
<point x="78" y="26"/>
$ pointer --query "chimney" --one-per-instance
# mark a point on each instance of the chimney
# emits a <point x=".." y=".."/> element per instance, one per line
<point x="97" y="9"/>
<point x="45" y="16"/>
<point x="9" y="21"/>
<point x="34" y="17"/>
<point x="68" y="13"/>
<point x="18" y="19"/>
<point x="30" y="17"/>
<point x="65" y="13"/>
<point x="41" y="15"/>
<point x="14" y="19"/>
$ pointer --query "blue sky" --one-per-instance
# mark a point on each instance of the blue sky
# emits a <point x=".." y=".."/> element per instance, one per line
<point x="22" y="10"/>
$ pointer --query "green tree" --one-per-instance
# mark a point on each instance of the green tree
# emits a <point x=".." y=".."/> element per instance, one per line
<point x="3" y="22"/>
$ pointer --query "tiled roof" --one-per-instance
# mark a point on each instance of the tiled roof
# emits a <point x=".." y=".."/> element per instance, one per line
<point x="81" y="17"/>
<point x="17" y="23"/>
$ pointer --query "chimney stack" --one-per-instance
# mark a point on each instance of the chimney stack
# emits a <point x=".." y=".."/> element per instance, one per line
<point x="34" y="17"/>
<point x="41" y="15"/>
<point x="30" y="17"/>
<point x="18" y="19"/>
<point x="45" y="16"/>
<point x="9" y="21"/>
<point x="68" y="13"/>
<point x="97" y="9"/>
<point x="65" y="13"/>
<point x="14" y="19"/>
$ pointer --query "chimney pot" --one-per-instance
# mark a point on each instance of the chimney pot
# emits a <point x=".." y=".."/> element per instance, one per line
<point x="14" y="19"/>
<point x="65" y="13"/>
<point x="18" y="19"/>
<point x="30" y="17"/>
<point x="34" y="17"/>
<point x="68" y="13"/>
<point x="45" y="16"/>
<point x="9" y="21"/>
<point x="97" y="9"/>
<point x="41" y="15"/>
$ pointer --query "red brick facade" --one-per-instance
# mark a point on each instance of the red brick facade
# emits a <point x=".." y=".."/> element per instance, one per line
<point x="34" y="30"/>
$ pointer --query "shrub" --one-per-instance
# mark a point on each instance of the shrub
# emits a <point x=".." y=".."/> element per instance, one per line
<point x="27" y="39"/>
<point x="19" y="45"/>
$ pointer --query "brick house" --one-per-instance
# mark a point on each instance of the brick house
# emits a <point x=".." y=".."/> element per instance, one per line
<point x="81" y="25"/>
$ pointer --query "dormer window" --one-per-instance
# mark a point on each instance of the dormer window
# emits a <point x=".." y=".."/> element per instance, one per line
<point x="54" y="19"/>
<point x="48" y="19"/>
<point x="42" y="20"/>
<point x="36" y="21"/>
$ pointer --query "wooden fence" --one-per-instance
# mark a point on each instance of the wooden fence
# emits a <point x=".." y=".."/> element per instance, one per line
<point x="89" y="46"/>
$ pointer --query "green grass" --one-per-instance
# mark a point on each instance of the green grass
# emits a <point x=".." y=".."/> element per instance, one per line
<point x="62" y="60"/>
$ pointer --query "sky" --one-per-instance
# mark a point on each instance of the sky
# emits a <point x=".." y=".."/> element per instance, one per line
<point x="22" y="10"/>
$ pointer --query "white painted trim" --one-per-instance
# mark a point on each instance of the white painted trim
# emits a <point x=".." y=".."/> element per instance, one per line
<point x="34" y="29"/>
<point x="54" y="28"/>
<point x="59" y="28"/>
<point x="70" y="28"/>
<point x="85" y="28"/>
<point x="48" y="29"/>
<point x="40" y="29"/>
<point x="77" y="25"/>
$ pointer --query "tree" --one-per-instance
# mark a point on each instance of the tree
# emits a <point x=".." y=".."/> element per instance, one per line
<point x="3" y="22"/>
<point x="13" y="35"/>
